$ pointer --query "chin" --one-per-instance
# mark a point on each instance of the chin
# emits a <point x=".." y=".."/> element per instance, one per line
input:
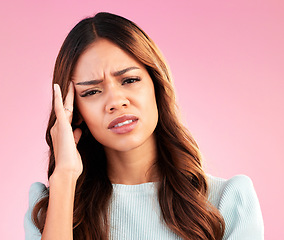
<point x="124" y="145"/>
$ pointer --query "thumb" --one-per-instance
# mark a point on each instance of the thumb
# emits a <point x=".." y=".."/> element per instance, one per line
<point x="77" y="135"/>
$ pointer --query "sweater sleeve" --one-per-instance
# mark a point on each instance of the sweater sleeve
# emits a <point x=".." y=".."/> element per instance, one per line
<point x="35" y="194"/>
<point x="241" y="210"/>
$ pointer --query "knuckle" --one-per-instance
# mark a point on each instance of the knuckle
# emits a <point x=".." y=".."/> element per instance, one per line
<point x="52" y="131"/>
<point x="53" y="128"/>
<point x="56" y="108"/>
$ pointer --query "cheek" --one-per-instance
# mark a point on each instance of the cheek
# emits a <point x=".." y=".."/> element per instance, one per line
<point x="154" y="112"/>
<point x="150" y="108"/>
<point x="152" y="99"/>
<point x="94" y="119"/>
<point x="95" y="124"/>
<point x="90" y="114"/>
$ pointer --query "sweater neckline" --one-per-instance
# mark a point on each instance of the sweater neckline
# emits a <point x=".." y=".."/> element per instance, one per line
<point x="142" y="187"/>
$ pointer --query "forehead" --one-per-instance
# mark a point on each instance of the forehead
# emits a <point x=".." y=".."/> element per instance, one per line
<point x="103" y="57"/>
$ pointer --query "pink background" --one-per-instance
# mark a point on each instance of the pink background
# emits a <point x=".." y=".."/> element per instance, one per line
<point x="227" y="58"/>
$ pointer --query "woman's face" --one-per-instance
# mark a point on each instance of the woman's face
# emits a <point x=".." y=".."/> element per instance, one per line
<point x="115" y="96"/>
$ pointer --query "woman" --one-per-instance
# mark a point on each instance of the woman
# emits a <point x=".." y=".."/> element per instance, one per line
<point x="122" y="166"/>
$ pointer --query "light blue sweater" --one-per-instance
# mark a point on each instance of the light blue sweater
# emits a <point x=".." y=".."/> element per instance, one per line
<point x="135" y="212"/>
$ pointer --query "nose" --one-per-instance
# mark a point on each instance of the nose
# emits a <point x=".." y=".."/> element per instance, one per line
<point x="116" y="100"/>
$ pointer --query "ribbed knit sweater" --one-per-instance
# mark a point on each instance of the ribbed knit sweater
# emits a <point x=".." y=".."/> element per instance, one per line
<point x="135" y="212"/>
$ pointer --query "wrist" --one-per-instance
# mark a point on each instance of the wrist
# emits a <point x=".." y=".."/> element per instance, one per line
<point x="59" y="176"/>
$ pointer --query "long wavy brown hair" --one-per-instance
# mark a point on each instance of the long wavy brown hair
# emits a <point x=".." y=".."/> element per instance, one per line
<point x="183" y="188"/>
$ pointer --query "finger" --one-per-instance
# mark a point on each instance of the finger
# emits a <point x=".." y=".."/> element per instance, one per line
<point x="58" y="104"/>
<point x="77" y="135"/>
<point x="68" y="103"/>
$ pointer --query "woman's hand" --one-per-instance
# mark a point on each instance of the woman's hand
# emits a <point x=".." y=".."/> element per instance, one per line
<point x="67" y="158"/>
<point x="68" y="167"/>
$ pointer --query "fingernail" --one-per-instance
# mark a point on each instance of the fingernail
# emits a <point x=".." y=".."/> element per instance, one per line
<point x="56" y="88"/>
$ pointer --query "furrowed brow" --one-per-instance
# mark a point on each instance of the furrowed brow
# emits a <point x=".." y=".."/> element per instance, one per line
<point x="121" y="72"/>
<point x="118" y="73"/>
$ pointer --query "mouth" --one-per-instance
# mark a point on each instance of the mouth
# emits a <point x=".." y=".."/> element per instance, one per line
<point x="122" y="121"/>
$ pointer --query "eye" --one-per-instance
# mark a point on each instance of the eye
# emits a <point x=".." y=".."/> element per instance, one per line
<point x="91" y="92"/>
<point x="130" y="80"/>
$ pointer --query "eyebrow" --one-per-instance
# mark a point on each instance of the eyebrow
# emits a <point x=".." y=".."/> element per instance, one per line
<point x="117" y="73"/>
<point x="91" y="82"/>
<point x="121" y="72"/>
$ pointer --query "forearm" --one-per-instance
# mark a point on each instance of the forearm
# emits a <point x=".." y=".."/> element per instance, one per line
<point x="59" y="218"/>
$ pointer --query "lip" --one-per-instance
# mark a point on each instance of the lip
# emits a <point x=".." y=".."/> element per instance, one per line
<point x="121" y="119"/>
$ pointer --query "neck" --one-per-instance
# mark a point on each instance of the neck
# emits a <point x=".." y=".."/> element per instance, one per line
<point x="135" y="166"/>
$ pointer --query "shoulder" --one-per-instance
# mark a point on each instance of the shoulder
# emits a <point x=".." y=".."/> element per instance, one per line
<point x="37" y="191"/>
<point x="237" y="201"/>
<point x="219" y="188"/>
